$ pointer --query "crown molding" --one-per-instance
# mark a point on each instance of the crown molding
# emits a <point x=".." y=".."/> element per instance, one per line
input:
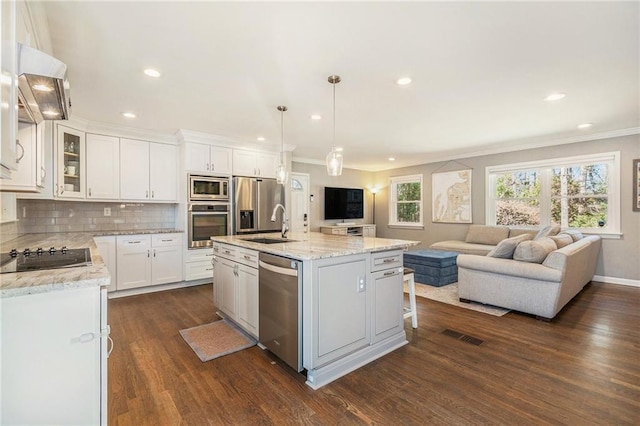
<point x="184" y="135"/>
<point x="492" y="149"/>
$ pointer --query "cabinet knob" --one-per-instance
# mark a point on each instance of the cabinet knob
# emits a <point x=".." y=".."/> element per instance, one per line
<point x="146" y="194"/>
<point x="153" y="194"/>
<point x="89" y="192"/>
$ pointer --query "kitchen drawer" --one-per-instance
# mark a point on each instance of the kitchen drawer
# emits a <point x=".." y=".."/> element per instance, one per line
<point x="225" y="250"/>
<point x="198" y="270"/>
<point x="339" y="231"/>
<point x="160" y="240"/>
<point x="199" y="255"/>
<point x="247" y="257"/>
<point x="385" y="260"/>
<point x="133" y="242"/>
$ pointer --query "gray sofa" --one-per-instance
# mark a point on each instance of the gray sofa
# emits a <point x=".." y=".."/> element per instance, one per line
<point x="541" y="289"/>
<point x="481" y="239"/>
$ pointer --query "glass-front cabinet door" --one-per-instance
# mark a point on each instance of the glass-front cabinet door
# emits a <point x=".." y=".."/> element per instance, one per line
<point x="70" y="163"/>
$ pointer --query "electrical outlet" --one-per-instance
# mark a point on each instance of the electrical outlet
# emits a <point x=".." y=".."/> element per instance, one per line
<point x="361" y="286"/>
<point x="107" y="211"/>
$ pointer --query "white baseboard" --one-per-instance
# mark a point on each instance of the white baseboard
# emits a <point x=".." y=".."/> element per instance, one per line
<point x="615" y="280"/>
<point x="155" y="288"/>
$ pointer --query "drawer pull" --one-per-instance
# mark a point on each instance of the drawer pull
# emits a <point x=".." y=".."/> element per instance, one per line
<point x="134" y="242"/>
<point x="167" y="241"/>
<point x="247" y="257"/>
<point x="389" y="260"/>
<point x="227" y="252"/>
<point x="390" y="273"/>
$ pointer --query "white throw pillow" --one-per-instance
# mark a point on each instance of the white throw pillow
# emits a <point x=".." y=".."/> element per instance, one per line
<point x="562" y="240"/>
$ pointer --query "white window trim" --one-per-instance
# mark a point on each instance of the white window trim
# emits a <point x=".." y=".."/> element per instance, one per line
<point x="393" y="220"/>
<point x="613" y="227"/>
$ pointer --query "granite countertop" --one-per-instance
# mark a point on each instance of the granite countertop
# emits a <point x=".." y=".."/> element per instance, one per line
<point x="34" y="282"/>
<point x="316" y="245"/>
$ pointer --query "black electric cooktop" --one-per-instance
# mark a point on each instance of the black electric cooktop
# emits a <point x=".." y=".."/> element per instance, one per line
<point x="35" y="260"/>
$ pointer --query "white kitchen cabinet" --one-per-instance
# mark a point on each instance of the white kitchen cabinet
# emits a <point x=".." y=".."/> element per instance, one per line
<point x="70" y="163"/>
<point x="107" y="249"/>
<point x="103" y="167"/>
<point x="30" y="173"/>
<point x="247" y="279"/>
<point x="145" y="260"/>
<point x="134" y="261"/>
<point x="252" y="163"/>
<point x="166" y="258"/>
<point x="163" y="172"/>
<point x="134" y="169"/>
<point x="148" y="171"/>
<point x="8" y="89"/>
<point x="198" y="264"/>
<point x="235" y="283"/>
<point x="54" y="358"/>
<point x="340" y="312"/>
<point x="387" y="303"/>
<point x="207" y="158"/>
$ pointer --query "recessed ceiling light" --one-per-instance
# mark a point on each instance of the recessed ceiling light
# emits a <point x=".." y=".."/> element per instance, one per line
<point x="392" y="159"/>
<point x="128" y="115"/>
<point x="152" y="73"/>
<point x="584" y="125"/>
<point x="42" y="87"/>
<point x="555" y="97"/>
<point x="316" y="117"/>
<point x="260" y="138"/>
<point x="50" y="113"/>
<point x="403" y="81"/>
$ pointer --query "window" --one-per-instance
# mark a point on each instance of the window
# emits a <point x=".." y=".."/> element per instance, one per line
<point x="577" y="192"/>
<point x="405" y="204"/>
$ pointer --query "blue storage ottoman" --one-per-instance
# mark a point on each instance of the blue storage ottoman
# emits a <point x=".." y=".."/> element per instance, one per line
<point x="433" y="267"/>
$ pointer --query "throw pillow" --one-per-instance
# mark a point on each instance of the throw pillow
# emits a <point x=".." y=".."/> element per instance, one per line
<point x="534" y="251"/>
<point x="547" y="231"/>
<point x="484" y="234"/>
<point x="562" y="239"/>
<point x="505" y="248"/>
<point x="575" y="234"/>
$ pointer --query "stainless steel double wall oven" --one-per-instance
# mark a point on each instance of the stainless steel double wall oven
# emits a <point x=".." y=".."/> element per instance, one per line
<point x="209" y="210"/>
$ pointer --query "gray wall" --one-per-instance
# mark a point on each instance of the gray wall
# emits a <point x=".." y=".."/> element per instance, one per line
<point x="618" y="257"/>
<point x="350" y="179"/>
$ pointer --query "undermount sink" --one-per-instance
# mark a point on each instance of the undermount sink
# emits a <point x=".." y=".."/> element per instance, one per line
<point x="263" y="240"/>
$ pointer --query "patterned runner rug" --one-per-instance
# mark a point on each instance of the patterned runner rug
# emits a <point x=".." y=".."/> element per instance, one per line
<point x="449" y="294"/>
<point x="216" y="339"/>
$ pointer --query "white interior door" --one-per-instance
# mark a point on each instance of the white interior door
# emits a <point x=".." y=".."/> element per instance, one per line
<point x="300" y="220"/>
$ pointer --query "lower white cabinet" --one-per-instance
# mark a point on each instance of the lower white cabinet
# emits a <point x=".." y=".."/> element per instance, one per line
<point x="198" y="264"/>
<point x="387" y="303"/>
<point x="235" y="281"/>
<point x="144" y="260"/>
<point x="54" y="358"/>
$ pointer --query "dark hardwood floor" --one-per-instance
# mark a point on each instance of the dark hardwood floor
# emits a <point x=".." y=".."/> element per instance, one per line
<point x="582" y="368"/>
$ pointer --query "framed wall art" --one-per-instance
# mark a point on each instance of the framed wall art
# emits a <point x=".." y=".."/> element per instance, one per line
<point x="636" y="185"/>
<point x="452" y="197"/>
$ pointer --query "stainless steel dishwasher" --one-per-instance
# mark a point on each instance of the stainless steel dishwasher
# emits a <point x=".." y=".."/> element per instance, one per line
<point x="280" y="307"/>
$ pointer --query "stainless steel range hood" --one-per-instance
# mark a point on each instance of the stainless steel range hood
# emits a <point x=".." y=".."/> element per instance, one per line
<point x="43" y="87"/>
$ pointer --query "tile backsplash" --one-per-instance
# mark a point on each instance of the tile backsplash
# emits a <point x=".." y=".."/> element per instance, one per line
<point x="35" y="216"/>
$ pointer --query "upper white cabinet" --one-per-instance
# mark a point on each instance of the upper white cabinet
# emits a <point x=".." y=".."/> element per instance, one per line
<point x="103" y="167"/>
<point x="252" y="163"/>
<point x="70" y="163"/>
<point x="207" y="158"/>
<point x="8" y="89"/>
<point x="30" y="174"/>
<point x="148" y="171"/>
<point x="163" y="172"/>
<point x="134" y="169"/>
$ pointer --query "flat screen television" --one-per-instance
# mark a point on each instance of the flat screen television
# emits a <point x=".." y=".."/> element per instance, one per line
<point x="343" y="203"/>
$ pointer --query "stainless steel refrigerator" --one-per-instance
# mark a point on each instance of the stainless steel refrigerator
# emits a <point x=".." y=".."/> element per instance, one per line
<point x="253" y="202"/>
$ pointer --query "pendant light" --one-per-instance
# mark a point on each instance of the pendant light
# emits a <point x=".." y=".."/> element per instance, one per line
<point x="281" y="172"/>
<point x="334" y="158"/>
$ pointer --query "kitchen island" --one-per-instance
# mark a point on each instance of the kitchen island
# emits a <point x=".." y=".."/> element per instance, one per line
<point x="351" y="300"/>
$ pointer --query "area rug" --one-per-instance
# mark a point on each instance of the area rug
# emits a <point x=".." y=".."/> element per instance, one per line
<point x="449" y="294"/>
<point x="216" y="339"/>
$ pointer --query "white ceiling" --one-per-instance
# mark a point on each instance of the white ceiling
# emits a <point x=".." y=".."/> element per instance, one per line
<point x="480" y="72"/>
